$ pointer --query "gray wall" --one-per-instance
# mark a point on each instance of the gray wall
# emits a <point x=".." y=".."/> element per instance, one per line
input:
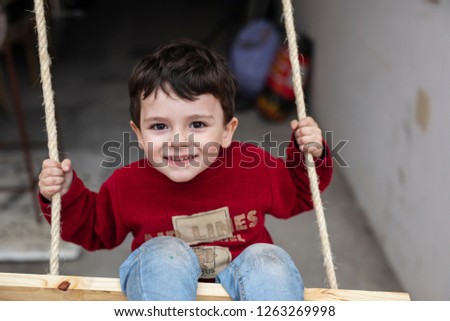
<point x="382" y="81"/>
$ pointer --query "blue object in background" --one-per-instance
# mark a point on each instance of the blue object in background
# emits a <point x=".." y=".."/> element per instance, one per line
<point x="251" y="56"/>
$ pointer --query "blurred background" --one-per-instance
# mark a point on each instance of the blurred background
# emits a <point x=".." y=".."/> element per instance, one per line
<point x="376" y="79"/>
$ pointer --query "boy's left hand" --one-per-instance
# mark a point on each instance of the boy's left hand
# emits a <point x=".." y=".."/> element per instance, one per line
<point x="308" y="136"/>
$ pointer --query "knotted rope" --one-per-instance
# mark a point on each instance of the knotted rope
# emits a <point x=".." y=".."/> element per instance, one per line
<point x="50" y="121"/>
<point x="312" y="174"/>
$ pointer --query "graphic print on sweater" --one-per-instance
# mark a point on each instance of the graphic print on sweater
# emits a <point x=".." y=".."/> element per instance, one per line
<point x="203" y="227"/>
<point x="206" y="227"/>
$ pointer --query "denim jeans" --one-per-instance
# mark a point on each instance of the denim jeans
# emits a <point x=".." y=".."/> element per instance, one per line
<point x="167" y="269"/>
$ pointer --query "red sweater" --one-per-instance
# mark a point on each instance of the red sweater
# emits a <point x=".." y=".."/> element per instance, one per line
<point x="220" y="212"/>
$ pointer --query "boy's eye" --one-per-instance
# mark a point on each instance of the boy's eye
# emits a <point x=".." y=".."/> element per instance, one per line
<point x="197" y="124"/>
<point x="159" y="126"/>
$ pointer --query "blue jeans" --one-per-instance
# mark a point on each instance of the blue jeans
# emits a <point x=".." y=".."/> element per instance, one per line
<point x="167" y="269"/>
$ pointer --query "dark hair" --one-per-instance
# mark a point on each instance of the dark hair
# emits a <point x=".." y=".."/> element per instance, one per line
<point x="187" y="68"/>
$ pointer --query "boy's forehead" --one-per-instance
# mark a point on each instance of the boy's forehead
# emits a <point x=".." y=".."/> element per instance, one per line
<point x="160" y="100"/>
<point x="161" y="94"/>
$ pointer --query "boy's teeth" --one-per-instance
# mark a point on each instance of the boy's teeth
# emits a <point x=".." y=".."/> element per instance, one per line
<point x="179" y="159"/>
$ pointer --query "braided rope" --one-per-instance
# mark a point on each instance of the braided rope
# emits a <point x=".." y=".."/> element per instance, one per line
<point x="50" y="121"/>
<point x="312" y="174"/>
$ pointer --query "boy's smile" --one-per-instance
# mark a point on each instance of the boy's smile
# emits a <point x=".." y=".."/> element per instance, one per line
<point x="182" y="138"/>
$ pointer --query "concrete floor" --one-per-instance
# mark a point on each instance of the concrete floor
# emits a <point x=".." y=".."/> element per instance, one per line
<point x="93" y="57"/>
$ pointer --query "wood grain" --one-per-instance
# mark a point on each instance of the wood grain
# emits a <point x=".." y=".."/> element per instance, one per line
<point x="40" y="287"/>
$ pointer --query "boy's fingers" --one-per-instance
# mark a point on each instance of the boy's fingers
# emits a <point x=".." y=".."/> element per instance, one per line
<point x="294" y="124"/>
<point x="313" y="139"/>
<point x="51" y="171"/>
<point x="308" y="131"/>
<point x="66" y="165"/>
<point x="50" y="163"/>
<point x="307" y="121"/>
<point x="48" y="189"/>
<point x="53" y="180"/>
<point x="53" y="189"/>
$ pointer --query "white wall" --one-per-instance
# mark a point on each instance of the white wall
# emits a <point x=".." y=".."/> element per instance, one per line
<point x="382" y="81"/>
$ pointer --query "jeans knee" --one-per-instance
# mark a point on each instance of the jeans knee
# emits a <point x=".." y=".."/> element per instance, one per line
<point x="166" y="243"/>
<point x="161" y="254"/>
<point x="168" y="250"/>
<point x="266" y="252"/>
<point x="157" y="264"/>
<point x="269" y="259"/>
<point x="263" y="272"/>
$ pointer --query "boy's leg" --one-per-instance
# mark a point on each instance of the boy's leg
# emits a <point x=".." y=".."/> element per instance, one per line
<point x="162" y="269"/>
<point x="262" y="272"/>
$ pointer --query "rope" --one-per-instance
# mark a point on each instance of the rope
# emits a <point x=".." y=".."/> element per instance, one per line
<point x="52" y="134"/>
<point x="312" y="174"/>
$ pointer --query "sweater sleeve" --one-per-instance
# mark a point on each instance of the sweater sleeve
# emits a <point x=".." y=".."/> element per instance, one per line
<point x="89" y="219"/>
<point x="289" y="181"/>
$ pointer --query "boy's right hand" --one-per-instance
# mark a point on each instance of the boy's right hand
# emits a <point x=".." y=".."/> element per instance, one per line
<point x="55" y="177"/>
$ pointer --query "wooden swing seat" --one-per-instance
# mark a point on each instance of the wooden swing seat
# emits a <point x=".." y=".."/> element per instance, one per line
<point x="41" y="287"/>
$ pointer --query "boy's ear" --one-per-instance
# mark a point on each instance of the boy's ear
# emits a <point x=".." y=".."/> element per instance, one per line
<point x="137" y="131"/>
<point x="228" y="133"/>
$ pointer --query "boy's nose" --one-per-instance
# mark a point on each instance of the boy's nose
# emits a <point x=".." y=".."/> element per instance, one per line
<point x="182" y="140"/>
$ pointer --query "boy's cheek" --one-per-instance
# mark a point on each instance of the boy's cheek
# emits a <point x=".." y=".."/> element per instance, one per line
<point x="209" y="160"/>
<point x="156" y="161"/>
<point x="211" y="149"/>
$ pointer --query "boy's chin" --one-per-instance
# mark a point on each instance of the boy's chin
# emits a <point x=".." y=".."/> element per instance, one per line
<point x="180" y="177"/>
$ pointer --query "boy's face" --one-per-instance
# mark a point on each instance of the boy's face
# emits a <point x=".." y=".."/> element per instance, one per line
<point x="182" y="138"/>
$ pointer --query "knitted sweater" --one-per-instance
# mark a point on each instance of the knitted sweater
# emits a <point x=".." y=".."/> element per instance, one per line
<point x="219" y="212"/>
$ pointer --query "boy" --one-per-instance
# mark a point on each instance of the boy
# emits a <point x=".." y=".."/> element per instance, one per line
<point x="196" y="204"/>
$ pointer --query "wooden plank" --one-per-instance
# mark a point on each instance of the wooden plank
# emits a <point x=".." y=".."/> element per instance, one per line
<point x="37" y="287"/>
<point x="312" y="294"/>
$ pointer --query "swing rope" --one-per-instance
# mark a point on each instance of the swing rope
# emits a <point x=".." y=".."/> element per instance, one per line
<point x="52" y="135"/>
<point x="50" y="121"/>
<point x="312" y="174"/>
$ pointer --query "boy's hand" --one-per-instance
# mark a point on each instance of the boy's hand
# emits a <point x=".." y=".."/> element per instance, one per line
<point x="308" y="136"/>
<point x="55" y="177"/>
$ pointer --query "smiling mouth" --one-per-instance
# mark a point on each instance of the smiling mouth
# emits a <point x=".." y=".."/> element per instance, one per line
<point x="180" y="158"/>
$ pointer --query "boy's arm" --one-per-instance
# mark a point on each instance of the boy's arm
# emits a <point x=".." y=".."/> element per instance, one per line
<point x="89" y="219"/>
<point x="296" y="163"/>
<point x="290" y="185"/>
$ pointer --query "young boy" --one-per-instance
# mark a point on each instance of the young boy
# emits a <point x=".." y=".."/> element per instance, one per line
<point x="196" y="204"/>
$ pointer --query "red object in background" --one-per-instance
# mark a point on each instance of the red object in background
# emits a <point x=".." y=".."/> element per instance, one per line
<point x="277" y="99"/>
